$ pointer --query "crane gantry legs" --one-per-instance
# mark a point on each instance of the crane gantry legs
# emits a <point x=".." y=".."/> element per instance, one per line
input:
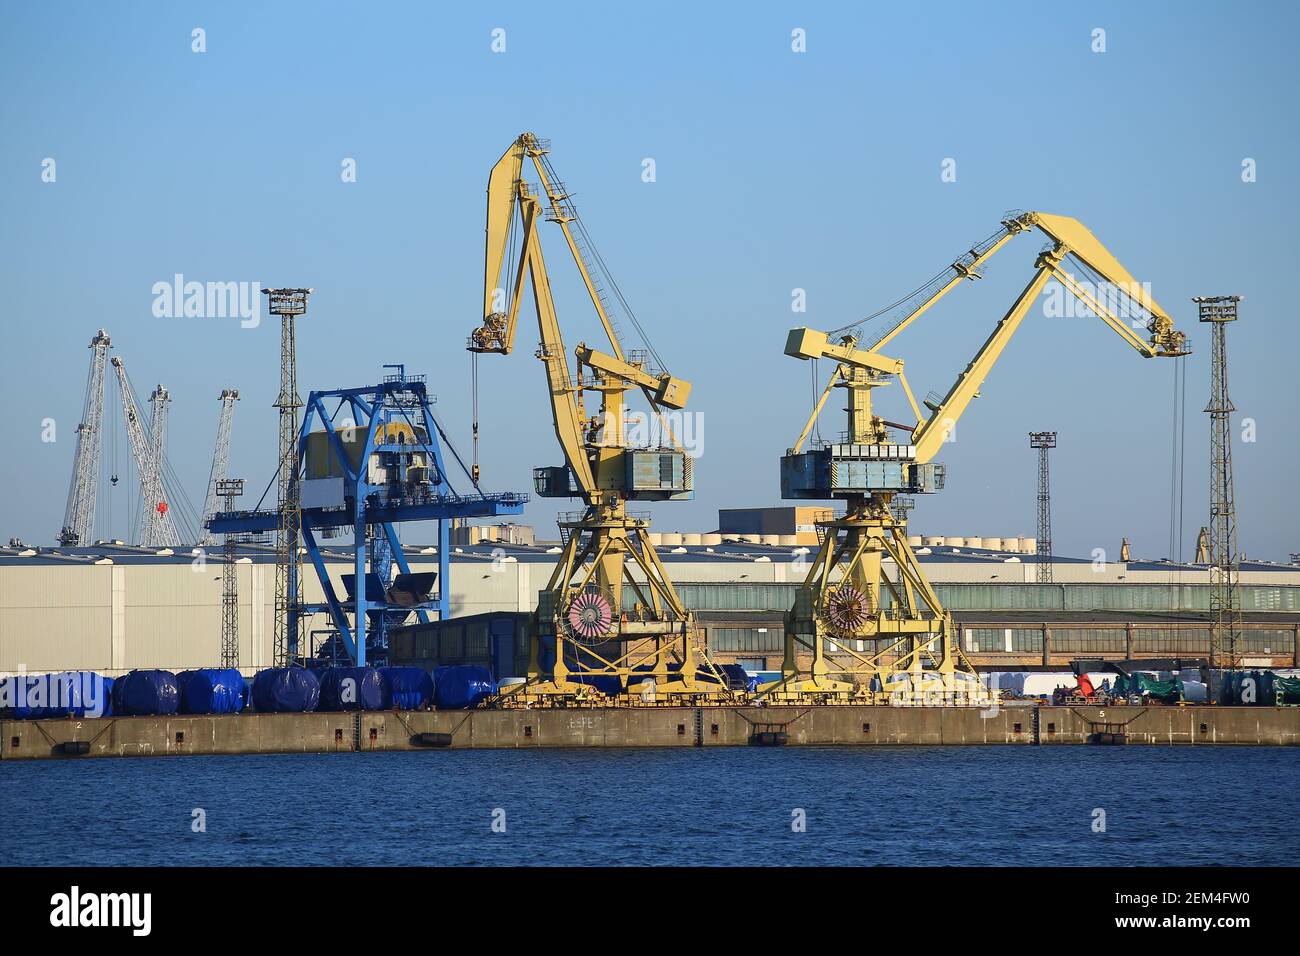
<point x="582" y="641"/>
<point x="865" y="630"/>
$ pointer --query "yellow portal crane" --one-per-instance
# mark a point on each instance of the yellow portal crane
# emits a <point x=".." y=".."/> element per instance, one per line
<point x="848" y="601"/>
<point x="582" y="635"/>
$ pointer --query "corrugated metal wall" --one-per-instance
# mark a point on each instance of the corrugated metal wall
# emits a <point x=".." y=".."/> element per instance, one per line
<point x="54" y="617"/>
<point x="112" y="617"/>
<point x="983" y="640"/>
<point x="776" y="596"/>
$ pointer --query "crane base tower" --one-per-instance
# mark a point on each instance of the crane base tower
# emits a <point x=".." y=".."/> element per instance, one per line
<point x="584" y="646"/>
<point x="867" y="626"/>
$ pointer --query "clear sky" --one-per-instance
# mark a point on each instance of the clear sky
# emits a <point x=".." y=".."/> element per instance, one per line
<point x="774" y="170"/>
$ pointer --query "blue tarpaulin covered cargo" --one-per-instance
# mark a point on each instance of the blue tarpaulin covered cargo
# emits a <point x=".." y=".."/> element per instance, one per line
<point x="212" y="691"/>
<point x="15" y="699"/>
<point x="1241" y="688"/>
<point x="352" y="688"/>
<point x="461" y="686"/>
<point x="285" y="690"/>
<point x="146" y="693"/>
<point x="733" y="675"/>
<point x="409" y="688"/>
<point x="1251" y="688"/>
<point x="22" y="696"/>
<point x="67" y="694"/>
<point x="85" y="694"/>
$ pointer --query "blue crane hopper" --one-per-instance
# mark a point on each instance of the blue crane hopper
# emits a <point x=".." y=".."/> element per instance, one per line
<point x="369" y="459"/>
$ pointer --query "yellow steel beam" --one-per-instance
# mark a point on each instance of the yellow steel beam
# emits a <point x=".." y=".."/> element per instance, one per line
<point x="1086" y="247"/>
<point x="930" y="435"/>
<point x="564" y="411"/>
<point x="817" y="409"/>
<point x="535" y="152"/>
<point x="667" y="390"/>
<point x="502" y="196"/>
<point x="805" y="344"/>
<point x="961" y="271"/>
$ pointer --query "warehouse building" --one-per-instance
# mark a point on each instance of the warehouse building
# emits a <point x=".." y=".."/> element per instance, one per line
<point x="113" y="607"/>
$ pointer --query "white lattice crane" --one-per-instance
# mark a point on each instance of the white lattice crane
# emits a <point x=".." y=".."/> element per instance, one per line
<point x="156" y="526"/>
<point x="79" y="517"/>
<point x="150" y="518"/>
<point x="220" y="459"/>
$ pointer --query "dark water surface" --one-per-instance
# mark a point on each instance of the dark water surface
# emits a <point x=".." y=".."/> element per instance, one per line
<point x="727" y="806"/>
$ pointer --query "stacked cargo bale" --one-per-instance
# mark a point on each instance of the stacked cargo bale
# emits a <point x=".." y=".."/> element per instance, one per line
<point x="212" y="691"/>
<point x="146" y="693"/>
<point x="409" y="688"/>
<point x="76" y="694"/>
<point x="352" y="688"/>
<point x="1259" y="688"/>
<point x="462" y="686"/>
<point x="285" y="690"/>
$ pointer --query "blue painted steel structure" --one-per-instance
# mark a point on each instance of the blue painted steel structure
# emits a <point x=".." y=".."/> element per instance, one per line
<point x="398" y="474"/>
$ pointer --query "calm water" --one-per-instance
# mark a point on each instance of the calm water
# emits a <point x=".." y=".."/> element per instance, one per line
<point x="903" y="805"/>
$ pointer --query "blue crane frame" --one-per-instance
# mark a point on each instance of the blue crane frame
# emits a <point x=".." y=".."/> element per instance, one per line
<point x="366" y="505"/>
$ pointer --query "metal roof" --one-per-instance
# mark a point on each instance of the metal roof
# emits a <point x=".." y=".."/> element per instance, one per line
<point x="545" y="552"/>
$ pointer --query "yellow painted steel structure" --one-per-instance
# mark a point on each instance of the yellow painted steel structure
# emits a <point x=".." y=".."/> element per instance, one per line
<point x="867" y="635"/>
<point x="606" y="549"/>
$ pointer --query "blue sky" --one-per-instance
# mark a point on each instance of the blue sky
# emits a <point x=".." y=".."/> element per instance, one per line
<point x="775" y="171"/>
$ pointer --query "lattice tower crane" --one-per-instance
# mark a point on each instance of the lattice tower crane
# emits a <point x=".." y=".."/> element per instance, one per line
<point x="79" y="516"/>
<point x="220" y="460"/>
<point x="161" y="531"/>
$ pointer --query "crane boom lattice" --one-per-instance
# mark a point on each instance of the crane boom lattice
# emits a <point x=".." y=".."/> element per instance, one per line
<point x="220" y="460"/>
<point x="151" y="532"/>
<point x="79" y="517"/>
<point x="162" y="531"/>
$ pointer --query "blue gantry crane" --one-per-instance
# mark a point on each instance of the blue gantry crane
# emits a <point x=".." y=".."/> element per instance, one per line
<point x="369" y="459"/>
